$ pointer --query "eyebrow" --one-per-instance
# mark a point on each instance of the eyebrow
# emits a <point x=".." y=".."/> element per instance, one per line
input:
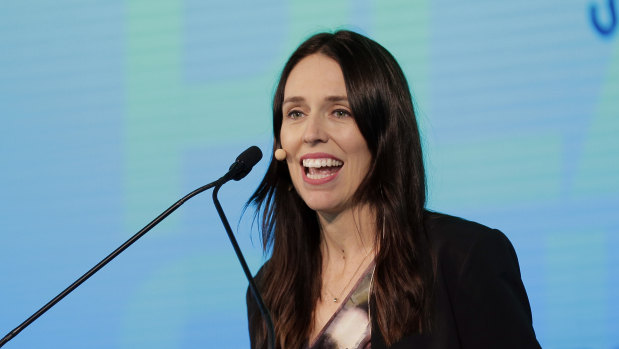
<point x="295" y="99"/>
<point x="337" y="99"/>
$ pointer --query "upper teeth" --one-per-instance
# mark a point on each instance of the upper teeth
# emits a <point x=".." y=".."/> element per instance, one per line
<point x="321" y="162"/>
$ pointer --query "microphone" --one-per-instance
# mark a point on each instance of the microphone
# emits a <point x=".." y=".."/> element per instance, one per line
<point x="245" y="162"/>
<point x="239" y="169"/>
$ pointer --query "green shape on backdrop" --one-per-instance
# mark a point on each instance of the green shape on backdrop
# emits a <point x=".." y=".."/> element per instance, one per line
<point x="166" y="116"/>
<point x="598" y="170"/>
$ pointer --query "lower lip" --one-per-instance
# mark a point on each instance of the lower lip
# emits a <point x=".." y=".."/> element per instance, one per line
<point x="324" y="180"/>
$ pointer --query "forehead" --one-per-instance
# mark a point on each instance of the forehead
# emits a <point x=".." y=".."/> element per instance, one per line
<point x="316" y="74"/>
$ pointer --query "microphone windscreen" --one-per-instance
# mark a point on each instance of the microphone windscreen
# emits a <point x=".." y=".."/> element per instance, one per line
<point x="250" y="156"/>
<point x="245" y="162"/>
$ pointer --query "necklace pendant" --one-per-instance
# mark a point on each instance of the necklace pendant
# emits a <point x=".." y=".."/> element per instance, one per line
<point x="334" y="299"/>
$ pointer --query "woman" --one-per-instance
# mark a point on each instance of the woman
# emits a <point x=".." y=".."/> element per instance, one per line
<point x="356" y="260"/>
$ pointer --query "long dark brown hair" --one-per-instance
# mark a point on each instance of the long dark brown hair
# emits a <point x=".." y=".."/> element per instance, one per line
<point x="394" y="187"/>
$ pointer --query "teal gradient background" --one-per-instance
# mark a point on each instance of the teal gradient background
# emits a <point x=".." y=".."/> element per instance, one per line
<point x="112" y="110"/>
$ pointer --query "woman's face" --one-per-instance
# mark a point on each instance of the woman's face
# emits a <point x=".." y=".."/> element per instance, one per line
<point x="326" y="154"/>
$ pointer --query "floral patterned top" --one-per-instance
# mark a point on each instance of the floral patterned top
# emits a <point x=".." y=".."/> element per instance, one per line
<point x="349" y="327"/>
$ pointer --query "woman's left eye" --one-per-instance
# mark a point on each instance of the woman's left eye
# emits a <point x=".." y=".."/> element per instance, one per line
<point x="340" y="113"/>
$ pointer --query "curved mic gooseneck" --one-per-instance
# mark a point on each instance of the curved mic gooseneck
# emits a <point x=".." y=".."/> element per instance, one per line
<point x="252" y="285"/>
<point x="239" y="169"/>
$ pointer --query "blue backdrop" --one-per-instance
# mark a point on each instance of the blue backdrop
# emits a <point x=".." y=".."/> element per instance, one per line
<point x="112" y="110"/>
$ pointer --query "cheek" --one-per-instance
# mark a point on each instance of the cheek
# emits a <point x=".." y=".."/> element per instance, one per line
<point x="285" y="138"/>
<point x="362" y="166"/>
<point x="357" y="145"/>
<point x="287" y="143"/>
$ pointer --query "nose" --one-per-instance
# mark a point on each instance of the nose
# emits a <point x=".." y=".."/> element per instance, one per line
<point x="315" y="131"/>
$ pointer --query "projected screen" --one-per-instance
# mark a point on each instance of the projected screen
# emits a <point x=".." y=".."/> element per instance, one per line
<point x="112" y="111"/>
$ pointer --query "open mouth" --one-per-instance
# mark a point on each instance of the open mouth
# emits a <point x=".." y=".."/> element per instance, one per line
<point x="321" y="168"/>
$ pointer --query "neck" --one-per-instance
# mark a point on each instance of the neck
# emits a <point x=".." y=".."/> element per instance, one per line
<point x="347" y="236"/>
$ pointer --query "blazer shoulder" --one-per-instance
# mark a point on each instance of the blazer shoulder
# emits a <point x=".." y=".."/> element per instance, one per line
<point x="479" y="271"/>
<point x="446" y="230"/>
<point x="456" y="240"/>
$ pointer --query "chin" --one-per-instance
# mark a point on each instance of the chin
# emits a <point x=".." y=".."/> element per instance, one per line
<point x="324" y="206"/>
<point x="323" y="200"/>
<point x="319" y="206"/>
<point x="317" y="202"/>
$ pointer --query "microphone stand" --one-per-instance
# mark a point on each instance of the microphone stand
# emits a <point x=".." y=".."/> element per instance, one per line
<point x="252" y="285"/>
<point x="239" y="169"/>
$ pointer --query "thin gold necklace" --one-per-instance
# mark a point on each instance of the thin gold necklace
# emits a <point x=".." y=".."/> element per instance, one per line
<point x="339" y="295"/>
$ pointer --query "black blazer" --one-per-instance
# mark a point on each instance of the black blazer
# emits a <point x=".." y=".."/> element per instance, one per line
<point x="479" y="299"/>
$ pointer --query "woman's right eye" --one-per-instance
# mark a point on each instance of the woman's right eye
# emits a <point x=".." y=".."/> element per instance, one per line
<point x="295" y="114"/>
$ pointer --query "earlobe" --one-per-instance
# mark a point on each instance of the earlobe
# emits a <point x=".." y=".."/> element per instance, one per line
<point x="280" y="154"/>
